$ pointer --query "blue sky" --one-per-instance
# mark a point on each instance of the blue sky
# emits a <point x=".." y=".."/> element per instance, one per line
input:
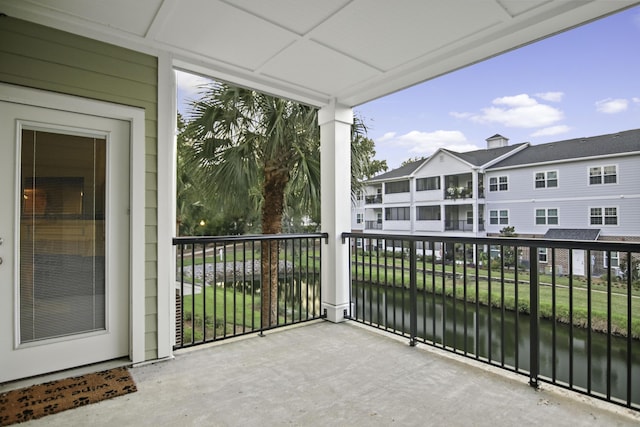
<point x="583" y="82"/>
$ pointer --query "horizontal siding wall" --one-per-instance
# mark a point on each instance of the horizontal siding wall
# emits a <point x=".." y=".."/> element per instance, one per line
<point x="35" y="56"/>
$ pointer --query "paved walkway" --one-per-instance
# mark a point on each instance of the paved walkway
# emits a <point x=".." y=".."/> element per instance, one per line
<point x="323" y="374"/>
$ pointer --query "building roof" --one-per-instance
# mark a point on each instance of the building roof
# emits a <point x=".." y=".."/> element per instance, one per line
<point x="401" y="172"/>
<point x="601" y="145"/>
<point x="475" y="158"/>
<point x="572" y="233"/>
<point x="482" y="157"/>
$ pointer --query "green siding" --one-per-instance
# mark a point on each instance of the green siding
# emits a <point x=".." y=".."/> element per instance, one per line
<point x="40" y="57"/>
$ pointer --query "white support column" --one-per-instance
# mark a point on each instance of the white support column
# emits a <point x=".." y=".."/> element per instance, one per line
<point x="475" y="201"/>
<point x="335" y="161"/>
<point x="166" y="206"/>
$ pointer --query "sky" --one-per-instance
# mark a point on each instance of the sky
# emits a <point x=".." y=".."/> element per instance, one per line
<point x="580" y="83"/>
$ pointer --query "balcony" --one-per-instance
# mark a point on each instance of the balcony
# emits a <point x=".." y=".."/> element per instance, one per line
<point x="489" y="300"/>
<point x="372" y="200"/>
<point x="332" y="374"/>
<point x="461" y="225"/>
<point x="463" y="301"/>
<point x="409" y="351"/>
<point x="373" y="225"/>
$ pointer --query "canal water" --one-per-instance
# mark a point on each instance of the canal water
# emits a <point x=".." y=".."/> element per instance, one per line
<point x="504" y="338"/>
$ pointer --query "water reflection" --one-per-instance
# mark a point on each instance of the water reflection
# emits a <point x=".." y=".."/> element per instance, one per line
<point x="503" y="338"/>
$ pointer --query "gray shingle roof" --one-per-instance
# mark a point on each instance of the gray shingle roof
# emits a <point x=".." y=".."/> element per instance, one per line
<point x="402" y="171"/>
<point x="481" y="157"/>
<point x="476" y="158"/>
<point x="572" y="233"/>
<point x="615" y="143"/>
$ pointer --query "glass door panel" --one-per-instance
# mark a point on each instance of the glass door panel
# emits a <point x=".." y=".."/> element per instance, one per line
<point x="62" y="234"/>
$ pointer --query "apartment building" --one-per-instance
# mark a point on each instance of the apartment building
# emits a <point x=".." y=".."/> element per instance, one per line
<point x="579" y="189"/>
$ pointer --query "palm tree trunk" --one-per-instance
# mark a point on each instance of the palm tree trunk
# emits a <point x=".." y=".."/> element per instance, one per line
<point x="275" y="181"/>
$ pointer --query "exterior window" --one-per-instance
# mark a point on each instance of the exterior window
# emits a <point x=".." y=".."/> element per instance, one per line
<point x="359" y="218"/>
<point x="603" y="216"/>
<point x="547" y="179"/>
<point x="614" y="260"/>
<point x="396" y="187"/>
<point x="426" y="184"/>
<point x="546" y="216"/>
<point x="428" y="213"/>
<point x="469" y="217"/>
<point x="397" y="214"/>
<point x="542" y="254"/>
<point x="603" y="175"/>
<point x="499" y="217"/>
<point x="500" y="183"/>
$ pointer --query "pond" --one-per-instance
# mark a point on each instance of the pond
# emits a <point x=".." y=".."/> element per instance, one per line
<point x="503" y="338"/>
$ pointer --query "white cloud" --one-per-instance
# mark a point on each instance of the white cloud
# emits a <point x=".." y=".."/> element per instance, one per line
<point x="612" y="106"/>
<point x="189" y="84"/>
<point x="458" y="115"/>
<point x="552" y="130"/>
<point x="389" y="136"/>
<point x="551" y="96"/>
<point x="636" y="100"/>
<point x="520" y="111"/>
<point x="420" y="143"/>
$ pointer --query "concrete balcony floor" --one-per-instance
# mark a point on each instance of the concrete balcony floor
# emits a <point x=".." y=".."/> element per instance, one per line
<point x="324" y="374"/>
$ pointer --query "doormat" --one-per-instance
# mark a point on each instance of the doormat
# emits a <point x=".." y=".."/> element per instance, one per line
<point x="44" y="399"/>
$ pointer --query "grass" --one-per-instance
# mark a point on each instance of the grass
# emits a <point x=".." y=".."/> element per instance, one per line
<point x="219" y="311"/>
<point x="229" y="316"/>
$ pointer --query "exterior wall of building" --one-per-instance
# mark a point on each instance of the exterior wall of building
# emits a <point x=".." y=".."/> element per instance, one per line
<point x="573" y="197"/>
<point x="43" y="58"/>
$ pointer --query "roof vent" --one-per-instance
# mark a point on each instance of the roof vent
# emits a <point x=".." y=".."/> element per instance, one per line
<point x="497" y="141"/>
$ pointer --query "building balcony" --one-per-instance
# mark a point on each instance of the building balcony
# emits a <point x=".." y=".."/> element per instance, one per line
<point x="332" y="374"/>
<point x="461" y="225"/>
<point x="408" y="352"/>
<point x="373" y="225"/>
<point x="372" y="200"/>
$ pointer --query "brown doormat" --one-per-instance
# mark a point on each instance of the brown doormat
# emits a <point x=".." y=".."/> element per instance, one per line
<point x="39" y="400"/>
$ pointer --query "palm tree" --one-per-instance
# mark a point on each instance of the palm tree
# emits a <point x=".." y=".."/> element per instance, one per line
<point x="254" y="151"/>
<point x="251" y="150"/>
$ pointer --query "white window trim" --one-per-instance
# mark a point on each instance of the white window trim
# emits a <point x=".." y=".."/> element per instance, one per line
<point x="546" y="216"/>
<point x="615" y="165"/>
<point x="498" y="211"/>
<point x="546" y="179"/>
<point x="603" y="208"/>
<point x="497" y="178"/>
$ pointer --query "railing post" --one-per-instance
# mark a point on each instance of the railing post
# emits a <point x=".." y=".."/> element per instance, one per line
<point x="534" y="316"/>
<point x="413" y="294"/>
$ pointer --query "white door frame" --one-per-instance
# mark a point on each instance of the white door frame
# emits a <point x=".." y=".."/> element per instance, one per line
<point x="136" y="117"/>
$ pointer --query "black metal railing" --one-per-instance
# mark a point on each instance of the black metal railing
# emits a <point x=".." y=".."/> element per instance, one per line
<point x="234" y="285"/>
<point x="562" y="312"/>
<point x="369" y="200"/>
<point x="373" y="225"/>
<point x="461" y="225"/>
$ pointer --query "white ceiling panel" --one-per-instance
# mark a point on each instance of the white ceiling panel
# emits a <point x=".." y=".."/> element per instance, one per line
<point x="216" y="30"/>
<point x="373" y="38"/>
<point x="518" y="7"/>
<point x="304" y="64"/>
<point x="137" y="19"/>
<point x="295" y="15"/>
<point x="318" y="51"/>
